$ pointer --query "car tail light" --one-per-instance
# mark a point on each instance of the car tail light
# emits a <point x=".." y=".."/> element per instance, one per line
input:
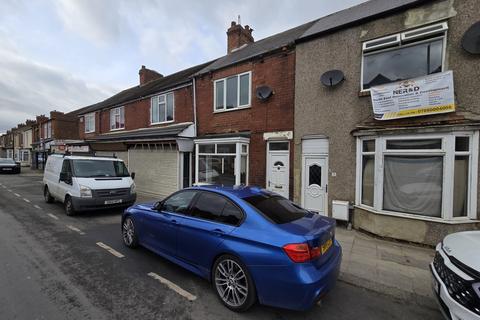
<point x="301" y="252"/>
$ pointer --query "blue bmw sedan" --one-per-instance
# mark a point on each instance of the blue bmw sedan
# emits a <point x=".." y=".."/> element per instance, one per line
<point x="252" y="244"/>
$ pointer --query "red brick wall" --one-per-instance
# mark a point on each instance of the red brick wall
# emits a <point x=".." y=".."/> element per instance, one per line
<point x="137" y="114"/>
<point x="276" y="114"/>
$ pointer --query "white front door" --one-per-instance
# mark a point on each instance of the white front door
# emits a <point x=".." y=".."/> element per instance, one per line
<point x="315" y="182"/>
<point x="278" y="168"/>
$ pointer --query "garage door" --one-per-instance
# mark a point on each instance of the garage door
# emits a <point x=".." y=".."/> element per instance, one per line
<point x="156" y="171"/>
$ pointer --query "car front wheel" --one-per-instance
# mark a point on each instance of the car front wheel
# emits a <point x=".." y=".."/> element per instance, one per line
<point x="233" y="283"/>
<point x="69" y="209"/>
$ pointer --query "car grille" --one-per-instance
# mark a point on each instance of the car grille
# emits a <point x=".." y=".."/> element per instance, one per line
<point x="107" y="193"/>
<point x="458" y="288"/>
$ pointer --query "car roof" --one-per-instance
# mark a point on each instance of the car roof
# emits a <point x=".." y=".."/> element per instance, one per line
<point x="237" y="191"/>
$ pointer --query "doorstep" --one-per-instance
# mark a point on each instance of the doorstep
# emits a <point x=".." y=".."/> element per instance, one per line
<point x="392" y="268"/>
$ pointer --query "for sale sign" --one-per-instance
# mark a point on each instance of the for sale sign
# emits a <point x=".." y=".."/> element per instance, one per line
<point x="431" y="94"/>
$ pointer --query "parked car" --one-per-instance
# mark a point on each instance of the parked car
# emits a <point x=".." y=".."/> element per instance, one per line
<point x="456" y="275"/>
<point x="9" y="166"/>
<point x="88" y="183"/>
<point x="252" y="244"/>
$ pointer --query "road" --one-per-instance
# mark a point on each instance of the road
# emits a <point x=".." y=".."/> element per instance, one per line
<point x="56" y="267"/>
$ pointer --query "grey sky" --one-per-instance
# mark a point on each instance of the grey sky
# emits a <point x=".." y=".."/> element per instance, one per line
<point x="66" y="54"/>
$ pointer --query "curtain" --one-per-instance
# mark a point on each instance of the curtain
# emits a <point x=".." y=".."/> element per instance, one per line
<point x="413" y="184"/>
<point x="368" y="175"/>
<point x="460" y="186"/>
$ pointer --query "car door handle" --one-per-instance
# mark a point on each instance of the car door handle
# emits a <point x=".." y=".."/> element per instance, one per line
<point x="173" y="221"/>
<point x="218" y="232"/>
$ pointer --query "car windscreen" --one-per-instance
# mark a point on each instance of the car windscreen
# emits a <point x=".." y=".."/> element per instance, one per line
<point x="276" y="208"/>
<point x="7" y="161"/>
<point x="85" y="168"/>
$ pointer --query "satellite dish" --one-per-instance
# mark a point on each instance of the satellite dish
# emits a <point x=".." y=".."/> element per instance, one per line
<point x="471" y="39"/>
<point x="332" y="78"/>
<point x="263" y="92"/>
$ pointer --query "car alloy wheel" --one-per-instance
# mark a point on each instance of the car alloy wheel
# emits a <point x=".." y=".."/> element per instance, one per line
<point x="128" y="233"/>
<point x="231" y="283"/>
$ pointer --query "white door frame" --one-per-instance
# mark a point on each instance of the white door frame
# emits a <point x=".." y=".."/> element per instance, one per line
<point x="284" y="152"/>
<point x="304" y="177"/>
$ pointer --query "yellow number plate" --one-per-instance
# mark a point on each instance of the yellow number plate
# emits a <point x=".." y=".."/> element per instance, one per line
<point x="326" y="245"/>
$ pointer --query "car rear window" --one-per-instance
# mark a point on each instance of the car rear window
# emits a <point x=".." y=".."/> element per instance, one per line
<point x="276" y="208"/>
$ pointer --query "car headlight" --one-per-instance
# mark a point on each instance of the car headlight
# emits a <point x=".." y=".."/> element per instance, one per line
<point x="476" y="288"/>
<point x="85" y="192"/>
<point x="133" y="188"/>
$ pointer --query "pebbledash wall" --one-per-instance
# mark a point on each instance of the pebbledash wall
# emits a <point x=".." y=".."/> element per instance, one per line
<point x="274" y="115"/>
<point x="339" y="113"/>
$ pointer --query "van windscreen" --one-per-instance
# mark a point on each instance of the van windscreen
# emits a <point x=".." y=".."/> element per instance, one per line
<point x="84" y="168"/>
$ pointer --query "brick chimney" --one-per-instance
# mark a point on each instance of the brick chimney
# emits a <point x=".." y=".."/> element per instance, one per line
<point x="238" y="36"/>
<point x="147" y="75"/>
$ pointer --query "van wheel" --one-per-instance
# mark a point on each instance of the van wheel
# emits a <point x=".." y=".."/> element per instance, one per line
<point x="69" y="209"/>
<point x="48" y="197"/>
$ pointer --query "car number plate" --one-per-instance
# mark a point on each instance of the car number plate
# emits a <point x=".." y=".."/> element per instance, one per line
<point x="8" y="169"/>
<point x="326" y="245"/>
<point x="113" y="201"/>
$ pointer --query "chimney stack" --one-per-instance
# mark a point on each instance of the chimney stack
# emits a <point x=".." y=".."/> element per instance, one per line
<point x="147" y="75"/>
<point x="238" y="36"/>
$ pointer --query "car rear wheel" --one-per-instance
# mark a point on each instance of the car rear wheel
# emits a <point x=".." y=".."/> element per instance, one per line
<point x="46" y="194"/>
<point x="69" y="209"/>
<point x="233" y="283"/>
<point x="130" y="238"/>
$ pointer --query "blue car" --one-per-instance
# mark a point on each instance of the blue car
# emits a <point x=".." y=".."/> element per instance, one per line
<point x="252" y="244"/>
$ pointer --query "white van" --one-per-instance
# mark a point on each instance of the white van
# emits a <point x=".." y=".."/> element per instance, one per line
<point x="88" y="183"/>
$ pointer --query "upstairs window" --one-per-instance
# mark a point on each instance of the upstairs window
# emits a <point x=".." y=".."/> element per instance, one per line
<point x="89" y="122"/>
<point x="233" y="92"/>
<point x="117" y="118"/>
<point x="403" y="56"/>
<point x="47" y="130"/>
<point x="162" y="108"/>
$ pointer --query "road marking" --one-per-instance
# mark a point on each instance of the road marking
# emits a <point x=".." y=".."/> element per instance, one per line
<point x="9" y="190"/>
<point x="4" y="187"/>
<point x="173" y="286"/>
<point x="17" y="194"/>
<point x="26" y="200"/>
<point x="37" y="207"/>
<point x="111" y="250"/>
<point x="75" y="229"/>
<point x="52" y="216"/>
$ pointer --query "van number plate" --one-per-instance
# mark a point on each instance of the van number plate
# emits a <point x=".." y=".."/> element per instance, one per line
<point x="326" y="245"/>
<point x="113" y="201"/>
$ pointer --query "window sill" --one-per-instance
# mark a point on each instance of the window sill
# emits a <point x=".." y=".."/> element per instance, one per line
<point x="416" y="217"/>
<point x="163" y="122"/>
<point x="87" y="132"/>
<point x="233" y="109"/>
<point x="118" y="129"/>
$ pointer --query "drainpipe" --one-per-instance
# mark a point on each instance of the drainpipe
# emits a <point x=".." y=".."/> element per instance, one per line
<point x="194" y="107"/>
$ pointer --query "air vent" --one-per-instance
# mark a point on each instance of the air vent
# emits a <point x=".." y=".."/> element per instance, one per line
<point x="425" y="32"/>
<point x="389" y="41"/>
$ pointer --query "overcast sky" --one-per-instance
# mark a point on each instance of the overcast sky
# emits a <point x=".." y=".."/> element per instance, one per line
<point x="66" y="54"/>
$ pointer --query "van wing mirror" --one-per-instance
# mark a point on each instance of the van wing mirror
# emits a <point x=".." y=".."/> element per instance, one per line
<point x="132" y="175"/>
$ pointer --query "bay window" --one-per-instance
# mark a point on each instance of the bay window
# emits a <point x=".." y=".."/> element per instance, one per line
<point x="117" y="118"/>
<point x="222" y="162"/>
<point x="162" y="108"/>
<point x="428" y="176"/>
<point x="232" y="92"/>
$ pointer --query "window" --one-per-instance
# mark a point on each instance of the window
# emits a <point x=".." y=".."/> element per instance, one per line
<point x="47" y="130"/>
<point x="214" y="207"/>
<point x="232" y="92"/>
<point x="89" y="122"/>
<point x="117" y="118"/>
<point x="277" y="209"/>
<point x="222" y="162"/>
<point x="99" y="168"/>
<point x="162" y="108"/>
<point x="425" y="176"/>
<point x="179" y="202"/>
<point x="403" y="56"/>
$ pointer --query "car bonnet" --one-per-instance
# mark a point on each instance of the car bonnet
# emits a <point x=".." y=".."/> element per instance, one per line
<point x="465" y="247"/>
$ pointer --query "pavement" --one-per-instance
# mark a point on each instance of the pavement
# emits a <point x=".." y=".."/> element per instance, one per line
<point x="53" y="266"/>
<point x="397" y="269"/>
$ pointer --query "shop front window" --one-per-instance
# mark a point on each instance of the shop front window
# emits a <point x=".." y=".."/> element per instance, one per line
<point x="414" y="175"/>
<point x="222" y="163"/>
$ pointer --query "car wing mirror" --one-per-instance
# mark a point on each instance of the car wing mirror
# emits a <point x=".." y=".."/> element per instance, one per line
<point x="158" y="206"/>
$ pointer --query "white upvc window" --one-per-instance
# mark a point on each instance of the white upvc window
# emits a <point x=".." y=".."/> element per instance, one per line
<point x="89" y="122"/>
<point x="410" y="54"/>
<point x="222" y="161"/>
<point x="162" y="108"/>
<point x="423" y="176"/>
<point x="233" y="92"/>
<point x="117" y="118"/>
<point x="47" y="130"/>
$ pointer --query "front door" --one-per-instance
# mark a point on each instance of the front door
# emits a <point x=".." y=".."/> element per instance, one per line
<point x="315" y="184"/>
<point x="278" y="168"/>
